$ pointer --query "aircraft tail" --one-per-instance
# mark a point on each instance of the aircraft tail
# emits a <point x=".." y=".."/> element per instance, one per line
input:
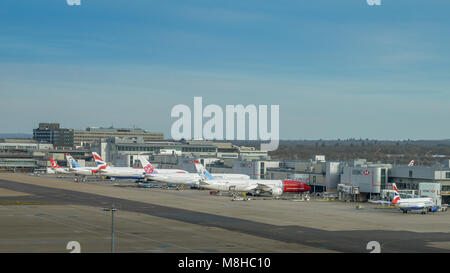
<point x="396" y="194"/>
<point x="98" y="159"/>
<point x="54" y="164"/>
<point x="102" y="166"/>
<point x="148" y="168"/>
<point x="201" y="170"/>
<point x="71" y="161"/>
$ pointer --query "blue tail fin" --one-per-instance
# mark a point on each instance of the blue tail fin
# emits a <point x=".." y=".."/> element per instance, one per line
<point x="202" y="170"/>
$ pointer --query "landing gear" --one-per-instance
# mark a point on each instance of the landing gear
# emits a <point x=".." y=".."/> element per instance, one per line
<point x="239" y="198"/>
<point x="405" y="211"/>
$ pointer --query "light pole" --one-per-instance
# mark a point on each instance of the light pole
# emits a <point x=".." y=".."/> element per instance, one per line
<point x="112" y="209"/>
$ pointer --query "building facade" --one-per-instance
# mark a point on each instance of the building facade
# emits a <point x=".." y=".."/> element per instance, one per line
<point x="121" y="151"/>
<point x="93" y="134"/>
<point x="409" y="177"/>
<point x="52" y="133"/>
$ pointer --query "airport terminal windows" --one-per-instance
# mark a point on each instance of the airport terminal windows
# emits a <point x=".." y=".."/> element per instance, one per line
<point x="136" y="149"/>
<point x="198" y="150"/>
<point x="383" y="179"/>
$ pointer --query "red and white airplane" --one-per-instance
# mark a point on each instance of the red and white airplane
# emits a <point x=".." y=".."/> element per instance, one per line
<point x="58" y="169"/>
<point x="275" y="187"/>
<point x="423" y="204"/>
<point x="129" y="172"/>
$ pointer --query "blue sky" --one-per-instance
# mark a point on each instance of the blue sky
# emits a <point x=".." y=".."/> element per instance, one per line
<point x="338" y="69"/>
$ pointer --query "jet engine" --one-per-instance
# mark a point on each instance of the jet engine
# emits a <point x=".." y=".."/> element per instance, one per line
<point x="277" y="191"/>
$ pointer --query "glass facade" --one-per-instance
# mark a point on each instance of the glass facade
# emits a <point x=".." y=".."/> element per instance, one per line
<point x="142" y="148"/>
<point x="383" y="179"/>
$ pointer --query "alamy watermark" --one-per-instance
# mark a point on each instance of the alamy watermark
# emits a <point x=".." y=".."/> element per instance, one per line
<point x="74" y="246"/>
<point x="213" y="129"/>
<point x="73" y="2"/>
<point x="374" y="2"/>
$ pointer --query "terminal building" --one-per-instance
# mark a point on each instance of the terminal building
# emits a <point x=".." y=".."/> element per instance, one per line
<point x="23" y="155"/>
<point x="369" y="178"/>
<point x="409" y="177"/>
<point x="318" y="173"/>
<point x="52" y="133"/>
<point x="255" y="169"/>
<point x="125" y="151"/>
<point x="92" y="134"/>
<point x="27" y="155"/>
<point x="23" y="144"/>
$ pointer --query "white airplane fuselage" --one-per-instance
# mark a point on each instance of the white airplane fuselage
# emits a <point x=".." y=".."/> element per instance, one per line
<point x="123" y="172"/>
<point x="85" y="171"/>
<point x="275" y="187"/>
<point x="189" y="178"/>
<point x="415" y="204"/>
<point x="61" y="170"/>
<point x="239" y="184"/>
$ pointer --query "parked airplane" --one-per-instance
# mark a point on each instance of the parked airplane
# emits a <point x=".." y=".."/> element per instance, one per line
<point x="186" y="178"/>
<point x="275" y="187"/>
<point x="200" y="169"/>
<point x="128" y="172"/>
<point x="424" y="204"/>
<point x="144" y="162"/>
<point x="75" y="168"/>
<point x="58" y="169"/>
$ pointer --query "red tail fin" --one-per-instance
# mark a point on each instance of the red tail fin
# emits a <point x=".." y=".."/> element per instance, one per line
<point x="54" y="164"/>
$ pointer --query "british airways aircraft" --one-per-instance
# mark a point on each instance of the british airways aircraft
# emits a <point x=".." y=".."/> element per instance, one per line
<point x="83" y="171"/>
<point x="127" y="172"/>
<point x="423" y="204"/>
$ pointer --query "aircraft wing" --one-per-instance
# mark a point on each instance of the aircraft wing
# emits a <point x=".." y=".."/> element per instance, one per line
<point x="203" y="183"/>
<point x="263" y="187"/>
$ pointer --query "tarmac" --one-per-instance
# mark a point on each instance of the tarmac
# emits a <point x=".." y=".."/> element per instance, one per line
<point x="43" y="214"/>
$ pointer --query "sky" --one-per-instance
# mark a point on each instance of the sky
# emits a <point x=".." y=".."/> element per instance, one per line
<point x="337" y="69"/>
